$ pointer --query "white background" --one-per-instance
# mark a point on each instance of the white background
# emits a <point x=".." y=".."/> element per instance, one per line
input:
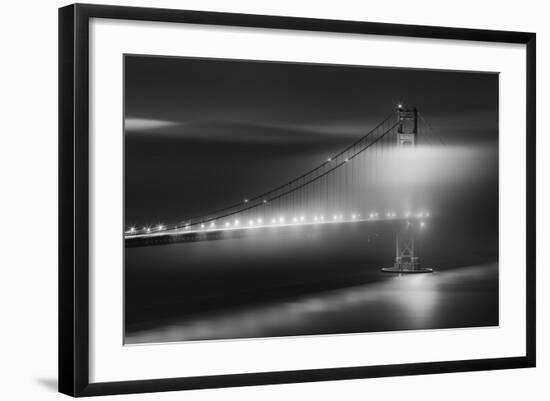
<point x="28" y="168"/>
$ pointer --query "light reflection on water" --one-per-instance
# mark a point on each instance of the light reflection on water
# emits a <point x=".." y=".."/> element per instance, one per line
<point x="462" y="297"/>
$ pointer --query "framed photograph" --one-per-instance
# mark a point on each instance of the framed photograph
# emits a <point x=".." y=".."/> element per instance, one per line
<point x="249" y="199"/>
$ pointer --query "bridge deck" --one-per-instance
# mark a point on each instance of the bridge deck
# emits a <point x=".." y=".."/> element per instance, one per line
<point x="191" y="235"/>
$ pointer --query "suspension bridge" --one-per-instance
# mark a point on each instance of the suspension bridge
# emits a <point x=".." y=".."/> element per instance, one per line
<point x="367" y="181"/>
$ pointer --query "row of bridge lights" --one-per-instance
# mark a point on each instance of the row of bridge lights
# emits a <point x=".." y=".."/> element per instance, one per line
<point x="282" y="220"/>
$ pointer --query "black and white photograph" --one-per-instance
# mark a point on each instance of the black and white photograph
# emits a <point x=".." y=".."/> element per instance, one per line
<point x="270" y="199"/>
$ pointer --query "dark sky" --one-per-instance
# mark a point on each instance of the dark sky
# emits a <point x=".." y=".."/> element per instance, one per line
<point x="202" y="133"/>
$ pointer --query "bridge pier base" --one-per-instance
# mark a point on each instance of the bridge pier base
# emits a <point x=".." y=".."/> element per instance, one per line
<point x="405" y="259"/>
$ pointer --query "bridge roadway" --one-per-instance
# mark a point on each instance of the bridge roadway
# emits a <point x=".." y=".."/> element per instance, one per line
<point x="166" y="236"/>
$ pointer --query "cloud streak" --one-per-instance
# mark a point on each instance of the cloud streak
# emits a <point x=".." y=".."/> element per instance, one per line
<point x="146" y="124"/>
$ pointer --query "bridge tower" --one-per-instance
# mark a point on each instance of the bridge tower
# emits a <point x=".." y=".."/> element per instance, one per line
<point x="406" y="260"/>
<point x="407" y="130"/>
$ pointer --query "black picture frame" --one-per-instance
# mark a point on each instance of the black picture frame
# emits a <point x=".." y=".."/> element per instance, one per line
<point x="74" y="201"/>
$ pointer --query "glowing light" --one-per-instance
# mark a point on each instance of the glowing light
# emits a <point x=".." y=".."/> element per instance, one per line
<point x="353" y="216"/>
<point x="148" y="229"/>
<point x="227" y="224"/>
<point x="422" y="224"/>
<point x="399" y="106"/>
<point x="322" y="218"/>
<point x="273" y="221"/>
<point x="281" y="219"/>
<point x="132" y="229"/>
<point x="371" y="215"/>
<point x="334" y="217"/>
<point x="265" y="200"/>
<point x="251" y="222"/>
<point x="329" y="159"/>
<point x="160" y="227"/>
<point x="212" y="225"/>
<point x="302" y="218"/>
<point x="407" y="214"/>
<point x="202" y="225"/>
<point x="237" y="222"/>
<point x="295" y="219"/>
<point x="388" y="214"/>
<point x="246" y="201"/>
<point x="346" y="160"/>
<point x="260" y="221"/>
